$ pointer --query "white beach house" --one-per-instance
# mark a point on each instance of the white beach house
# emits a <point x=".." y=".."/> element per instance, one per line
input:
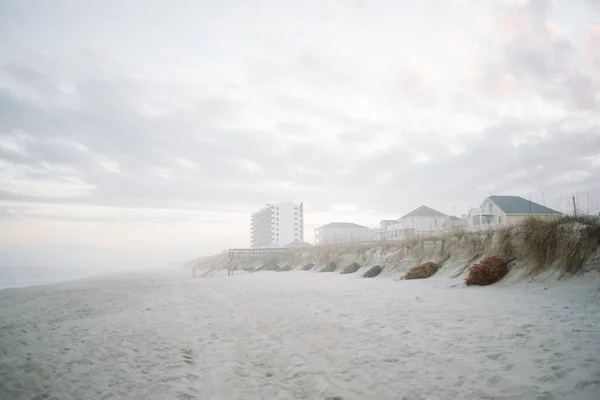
<point x="342" y="232"/>
<point x="421" y="222"/>
<point x="499" y="211"/>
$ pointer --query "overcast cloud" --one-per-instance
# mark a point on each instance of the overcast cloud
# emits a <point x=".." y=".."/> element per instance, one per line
<point x="133" y="125"/>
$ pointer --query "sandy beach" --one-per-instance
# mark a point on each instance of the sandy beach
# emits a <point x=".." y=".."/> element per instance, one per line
<point x="298" y="335"/>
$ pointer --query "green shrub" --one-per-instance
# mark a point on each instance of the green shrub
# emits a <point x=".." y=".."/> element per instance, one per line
<point x="373" y="272"/>
<point x="350" y="269"/>
<point x="308" y="267"/>
<point x="330" y="267"/>
<point x="270" y="267"/>
<point x="285" y="268"/>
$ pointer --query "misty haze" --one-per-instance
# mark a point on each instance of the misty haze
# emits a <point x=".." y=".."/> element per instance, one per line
<point x="321" y="199"/>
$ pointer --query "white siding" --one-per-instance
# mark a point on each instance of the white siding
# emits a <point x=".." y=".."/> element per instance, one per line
<point x="410" y="227"/>
<point x="489" y="216"/>
<point x="332" y="235"/>
<point x="515" y="219"/>
<point x="277" y="225"/>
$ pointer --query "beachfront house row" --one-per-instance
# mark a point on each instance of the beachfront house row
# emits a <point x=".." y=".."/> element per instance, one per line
<point x="342" y="232"/>
<point x="500" y="211"/>
<point x="421" y="222"/>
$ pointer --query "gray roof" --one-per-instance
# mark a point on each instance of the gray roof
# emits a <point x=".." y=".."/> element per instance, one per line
<point x="343" y="225"/>
<point x="298" y="243"/>
<point x="424" y="211"/>
<point x="519" y="205"/>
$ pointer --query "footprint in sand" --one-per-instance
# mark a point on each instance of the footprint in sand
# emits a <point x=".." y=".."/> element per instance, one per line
<point x="498" y="356"/>
<point x="587" y="385"/>
<point x="496" y="381"/>
<point x="188" y="356"/>
<point x="186" y="396"/>
<point x="41" y="396"/>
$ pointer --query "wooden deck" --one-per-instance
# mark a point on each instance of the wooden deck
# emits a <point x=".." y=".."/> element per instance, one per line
<point x="250" y="256"/>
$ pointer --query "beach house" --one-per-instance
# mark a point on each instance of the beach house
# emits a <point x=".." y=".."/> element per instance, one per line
<point x="499" y="211"/>
<point x="342" y="232"/>
<point x="421" y="222"/>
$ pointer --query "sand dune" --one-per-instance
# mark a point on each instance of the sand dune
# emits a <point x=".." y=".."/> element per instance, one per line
<point x="297" y="335"/>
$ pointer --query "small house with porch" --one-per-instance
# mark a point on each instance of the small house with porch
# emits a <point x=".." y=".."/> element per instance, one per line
<point x="500" y="211"/>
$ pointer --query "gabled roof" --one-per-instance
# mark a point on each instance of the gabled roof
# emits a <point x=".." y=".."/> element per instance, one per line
<point x="424" y="211"/>
<point x="519" y="205"/>
<point x="298" y="243"/>
<point x="343" y="225"/>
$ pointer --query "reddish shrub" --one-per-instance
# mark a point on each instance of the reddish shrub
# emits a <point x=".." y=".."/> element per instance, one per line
<point x="488" y="271"/>
<point x="422" y="271"/>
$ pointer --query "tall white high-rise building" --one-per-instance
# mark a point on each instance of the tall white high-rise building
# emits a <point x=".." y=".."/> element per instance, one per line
<point x="277" y="225"/>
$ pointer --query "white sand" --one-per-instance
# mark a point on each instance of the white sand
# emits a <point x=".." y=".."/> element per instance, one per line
<point x="298" y="335"/>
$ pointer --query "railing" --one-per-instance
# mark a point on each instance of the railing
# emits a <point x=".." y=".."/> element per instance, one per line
<point x="248" y="255"/>
<point x="483" y="227"/>
<point x="210" y="273"/>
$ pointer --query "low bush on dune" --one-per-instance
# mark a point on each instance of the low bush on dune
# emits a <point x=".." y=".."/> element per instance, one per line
<point x="329" y="267"/>
<point x="270" y="267"/>
<point x="422" y="271"/>
<point x="308" y="267"/>
<point x="487" y="272"/>
<point x="285" y="268"/>
<point x="373" y="272"/>
<point x="350" y="269"/>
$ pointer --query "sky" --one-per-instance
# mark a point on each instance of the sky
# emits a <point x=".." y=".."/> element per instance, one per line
<point x="149" y="131"/>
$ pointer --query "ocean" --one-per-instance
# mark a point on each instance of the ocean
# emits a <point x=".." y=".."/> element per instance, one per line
<point x="16" y="277"/>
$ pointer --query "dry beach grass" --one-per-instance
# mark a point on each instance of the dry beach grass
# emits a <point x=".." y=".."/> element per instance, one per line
<point x="422" y="271"/>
